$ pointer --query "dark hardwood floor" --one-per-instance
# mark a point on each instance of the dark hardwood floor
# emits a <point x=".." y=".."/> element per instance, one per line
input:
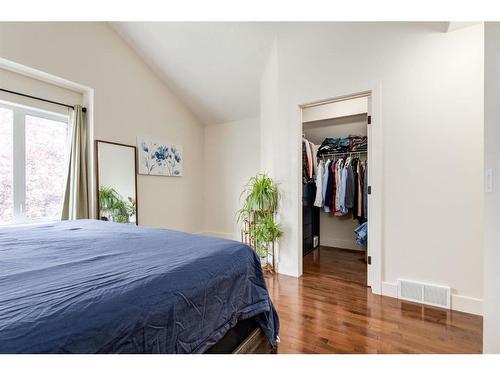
<point x="321" y="313"/>
<point x="348" y="265"/>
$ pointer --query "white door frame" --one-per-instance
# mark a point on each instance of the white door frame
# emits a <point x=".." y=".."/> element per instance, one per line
<point x="375" y="180"/>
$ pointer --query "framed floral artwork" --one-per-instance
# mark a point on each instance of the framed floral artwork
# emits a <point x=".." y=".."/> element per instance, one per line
<point x="159" y="158"/>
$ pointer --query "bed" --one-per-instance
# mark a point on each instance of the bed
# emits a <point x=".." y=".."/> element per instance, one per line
<point x="89" y="286"/>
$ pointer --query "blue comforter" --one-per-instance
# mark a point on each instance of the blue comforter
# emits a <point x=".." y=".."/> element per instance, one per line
<point x="89" y="286"/>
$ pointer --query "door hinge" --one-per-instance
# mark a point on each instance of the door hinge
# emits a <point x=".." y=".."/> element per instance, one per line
<point x="369" y="190"/>
<point x="369" y="120"/>
<point x="369" y="260"/>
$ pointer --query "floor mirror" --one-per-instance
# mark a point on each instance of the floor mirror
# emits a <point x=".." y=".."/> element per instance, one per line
<point x="116" y="182"/>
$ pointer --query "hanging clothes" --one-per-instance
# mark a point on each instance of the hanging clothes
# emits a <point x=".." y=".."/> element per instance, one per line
<point x="342" y="178"/>
<point x="349" y="193"/>
<point x="307" y="161"/>
<point x="341" y="183"/>
<point x="338" y="182"/>
<point x="326" y="176"/>
<point x="330" y="187"/>
<point x="360" y="191"/>
<point x="338" y="185"/>
<point x="343" y="186"/>
<point x="318" y="201"/>
<point x="314" y="159"/>
<point x="365" y="193"/>
<point x="354" y="165"/>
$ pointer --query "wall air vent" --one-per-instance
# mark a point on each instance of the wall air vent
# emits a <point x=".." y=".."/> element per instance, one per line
<point x="428" y="294"/>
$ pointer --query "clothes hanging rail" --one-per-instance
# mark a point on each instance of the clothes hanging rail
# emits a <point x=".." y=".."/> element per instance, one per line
<point x="333" y="154"/>
<point x="41" y="99"/>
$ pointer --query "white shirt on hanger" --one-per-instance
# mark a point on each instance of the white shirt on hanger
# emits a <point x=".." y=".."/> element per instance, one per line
<point x="318" y="201"/>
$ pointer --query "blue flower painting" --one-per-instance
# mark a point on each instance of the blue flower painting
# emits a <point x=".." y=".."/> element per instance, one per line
<point x="159" y="159"/>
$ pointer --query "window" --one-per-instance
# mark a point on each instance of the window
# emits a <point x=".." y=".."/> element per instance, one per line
<point x="34" y="147"/>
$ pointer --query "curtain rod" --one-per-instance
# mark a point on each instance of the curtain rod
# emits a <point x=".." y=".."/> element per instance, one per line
<point x="41" y="99"/>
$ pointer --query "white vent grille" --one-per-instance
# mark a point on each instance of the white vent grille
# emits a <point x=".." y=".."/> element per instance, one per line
<point x="428" y="294"/>
<point x="411" y="291"/>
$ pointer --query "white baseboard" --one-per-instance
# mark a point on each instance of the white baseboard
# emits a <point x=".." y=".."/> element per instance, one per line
<point x="341" y="244"/>
<point x="225" y="235"/>
<point x="458" y="302"/>
<point x="389" y="289"/>
<point x="466" y="304"/>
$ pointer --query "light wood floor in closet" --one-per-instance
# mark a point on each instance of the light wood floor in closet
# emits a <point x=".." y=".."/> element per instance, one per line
<point x="329" y="310"/>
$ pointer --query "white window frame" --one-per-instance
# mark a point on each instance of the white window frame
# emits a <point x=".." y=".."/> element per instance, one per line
<point x="19" y="113"/>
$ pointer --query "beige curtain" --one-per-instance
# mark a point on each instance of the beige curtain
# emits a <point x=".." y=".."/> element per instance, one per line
<point x="76" y="199"/>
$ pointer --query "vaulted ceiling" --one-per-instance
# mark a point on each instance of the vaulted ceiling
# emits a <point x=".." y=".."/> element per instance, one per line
<point x="214" y="68"/>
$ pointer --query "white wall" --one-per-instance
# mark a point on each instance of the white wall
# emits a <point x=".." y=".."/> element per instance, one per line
<point x="129" y="101"/>
<point x="431" y="112"/>
<point x="231" y="157"/>
<point x="277" y="160"/>
<point x="269" y="109"/>
<point x="491" y="325"/>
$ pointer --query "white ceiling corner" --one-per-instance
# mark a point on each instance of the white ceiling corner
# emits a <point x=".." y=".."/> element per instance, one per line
<point x="455" y="25"/>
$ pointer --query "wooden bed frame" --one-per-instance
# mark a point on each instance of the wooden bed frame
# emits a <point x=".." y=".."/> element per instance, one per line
<point x="256" y="343"/>
<point x="245" y="338"/>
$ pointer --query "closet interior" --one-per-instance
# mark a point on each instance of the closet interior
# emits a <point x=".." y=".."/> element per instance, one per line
<point x="335" y="188"/>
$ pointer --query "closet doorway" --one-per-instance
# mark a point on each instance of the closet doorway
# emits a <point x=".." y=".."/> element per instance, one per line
<point x="335" y="188"/>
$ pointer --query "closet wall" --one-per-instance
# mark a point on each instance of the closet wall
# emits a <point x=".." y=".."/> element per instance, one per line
<point x="336" y="231"/>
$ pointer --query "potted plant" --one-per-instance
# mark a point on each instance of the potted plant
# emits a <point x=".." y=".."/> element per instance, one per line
<point x="114" y="207"/>
<point x="258" y="214"/>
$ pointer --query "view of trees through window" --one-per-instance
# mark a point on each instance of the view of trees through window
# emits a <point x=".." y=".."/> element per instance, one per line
<point x="43" y="170"/>
<point x="46" y="167"/>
